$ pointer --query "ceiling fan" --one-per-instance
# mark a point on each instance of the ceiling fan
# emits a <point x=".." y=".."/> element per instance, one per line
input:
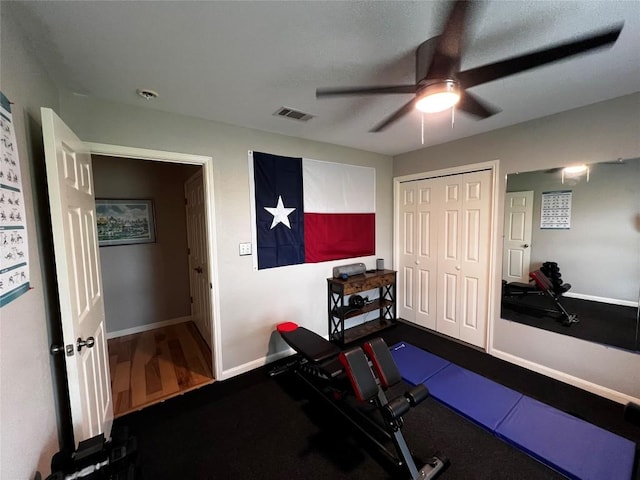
<point x="439" y="82"/>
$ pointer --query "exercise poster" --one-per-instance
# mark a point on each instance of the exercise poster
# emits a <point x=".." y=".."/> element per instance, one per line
<point x="14" y="261"/>
<point x="556" y="210"/>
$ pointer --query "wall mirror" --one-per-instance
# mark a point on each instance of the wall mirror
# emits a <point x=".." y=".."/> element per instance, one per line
<point x="582" y="230"/>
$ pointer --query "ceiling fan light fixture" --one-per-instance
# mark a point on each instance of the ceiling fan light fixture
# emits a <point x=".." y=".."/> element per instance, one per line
<point x="438" y="97"/>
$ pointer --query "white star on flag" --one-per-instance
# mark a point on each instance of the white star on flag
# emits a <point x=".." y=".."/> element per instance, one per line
<point x="280" y="213"/>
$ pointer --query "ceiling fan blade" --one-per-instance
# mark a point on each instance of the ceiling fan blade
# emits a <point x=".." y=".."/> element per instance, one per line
<point x="385" y="89"/>
<point x="446" y="57"/>
<point x="406" y="108"/>
<point x="473" y="105"/>
<point x="493" y="71"/>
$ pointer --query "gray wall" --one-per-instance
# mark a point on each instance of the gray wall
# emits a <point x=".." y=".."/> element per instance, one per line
<point x="594" y="133"/>
<point x="251" y="302"/>
<point x="146" y="283"/>
<point x="28" y="414"/>
<point x="600" y="254"/>
<point x="28" y="433"/>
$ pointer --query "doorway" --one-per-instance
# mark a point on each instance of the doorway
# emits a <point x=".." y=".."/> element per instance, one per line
<point x="157" y="346"/>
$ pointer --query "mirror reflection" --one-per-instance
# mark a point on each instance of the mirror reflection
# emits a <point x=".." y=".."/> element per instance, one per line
<point x="571" y="254"/>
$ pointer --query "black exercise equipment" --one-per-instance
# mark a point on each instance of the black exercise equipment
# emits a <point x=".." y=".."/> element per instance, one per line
<point x="98" y="458"/>
<point x="541" y="285"/>
<point x="632" y="413"/>
<point x="339" y="375"/>
<point x="552" y="272"/>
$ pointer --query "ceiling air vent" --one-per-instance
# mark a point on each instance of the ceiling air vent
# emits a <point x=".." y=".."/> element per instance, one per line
<point x="294" y="114"/>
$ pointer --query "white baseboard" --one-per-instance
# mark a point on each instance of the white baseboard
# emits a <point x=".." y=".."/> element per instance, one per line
<point x="147" y="327"/>
<point x="605" y="392"/>
<point x="593" y="298"/>
<point x="259" y="362"/>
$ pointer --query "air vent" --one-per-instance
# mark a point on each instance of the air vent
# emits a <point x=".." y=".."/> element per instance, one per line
<point x="294" y="114"/>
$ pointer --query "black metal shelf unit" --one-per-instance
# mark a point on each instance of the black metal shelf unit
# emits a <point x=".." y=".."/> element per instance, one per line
<point x="338" y="312"/>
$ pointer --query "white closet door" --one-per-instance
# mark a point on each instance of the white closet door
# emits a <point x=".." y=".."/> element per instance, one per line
<point x="475" y="255"/>
<point x="418" y="247"/>
<point x="449" y="263"/>
<point x="428" y="194"/>
<point x="463" y="257"/>
<point x="407" y="245"/>
<point x="443" y="272"/>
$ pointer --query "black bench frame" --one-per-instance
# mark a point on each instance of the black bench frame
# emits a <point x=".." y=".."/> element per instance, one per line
<point x="325" y="368"/>
<point x="541" y="286"/>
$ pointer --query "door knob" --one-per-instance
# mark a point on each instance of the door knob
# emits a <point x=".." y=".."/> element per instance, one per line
<point x="457" y="268"/>
<point x="198" y="269"/>
<point x="417" y="262"/>
<point x="89" y="343"/>
<point x="526" y="245"/>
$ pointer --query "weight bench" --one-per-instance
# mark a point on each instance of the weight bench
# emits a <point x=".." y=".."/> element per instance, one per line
<point x="541" y="286"/>
<point x="370" y="371"/>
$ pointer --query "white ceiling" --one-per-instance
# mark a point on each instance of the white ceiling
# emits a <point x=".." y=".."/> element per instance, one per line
<point x="238" y="62"/>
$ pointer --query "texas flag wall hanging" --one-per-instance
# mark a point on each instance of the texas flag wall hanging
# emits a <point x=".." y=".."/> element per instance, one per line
<point x="309" y="211"/>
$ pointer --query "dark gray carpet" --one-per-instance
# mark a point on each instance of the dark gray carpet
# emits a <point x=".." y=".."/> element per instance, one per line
<point x="257" y="426"/>
<point x="614" y="325"/>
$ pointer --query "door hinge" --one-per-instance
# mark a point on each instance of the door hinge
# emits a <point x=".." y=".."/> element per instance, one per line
<point x="188" y="251"/>
<point x="191" y="299"/>
<point x="186" y="202"/>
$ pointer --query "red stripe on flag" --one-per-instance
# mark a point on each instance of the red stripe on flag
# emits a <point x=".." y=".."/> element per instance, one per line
<point x="333" y="236"/>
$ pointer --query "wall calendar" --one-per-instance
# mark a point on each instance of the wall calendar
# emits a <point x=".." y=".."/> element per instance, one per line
<point x="556" y="210"/>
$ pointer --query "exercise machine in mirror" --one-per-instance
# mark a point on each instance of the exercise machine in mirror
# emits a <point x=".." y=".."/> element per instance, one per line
<point x="571" y="253"/>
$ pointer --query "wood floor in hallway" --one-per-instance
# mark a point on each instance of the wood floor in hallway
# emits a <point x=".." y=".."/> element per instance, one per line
<point x="152" y="366"/>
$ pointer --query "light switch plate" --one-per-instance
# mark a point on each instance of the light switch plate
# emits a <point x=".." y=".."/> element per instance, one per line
<point x="245" y="248"/>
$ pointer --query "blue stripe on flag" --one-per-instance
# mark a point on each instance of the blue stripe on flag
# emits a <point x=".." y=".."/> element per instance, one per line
<point x="280" y="237"/>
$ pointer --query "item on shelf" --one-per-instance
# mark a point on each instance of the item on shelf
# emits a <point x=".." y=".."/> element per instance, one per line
<point x="349" y="270"/>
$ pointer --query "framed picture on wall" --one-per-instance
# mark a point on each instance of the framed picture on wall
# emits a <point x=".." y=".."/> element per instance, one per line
<point x="125" y="222"/>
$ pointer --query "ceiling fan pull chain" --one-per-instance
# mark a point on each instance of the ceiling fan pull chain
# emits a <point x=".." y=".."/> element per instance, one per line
<point x="422" y="116"/>
<point x="453" y="117"/>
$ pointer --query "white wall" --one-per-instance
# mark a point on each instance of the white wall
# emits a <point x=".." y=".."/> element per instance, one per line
<point x="595" y="133"/>
<point x="28" y="433"/>
<point x="251" y="302"/>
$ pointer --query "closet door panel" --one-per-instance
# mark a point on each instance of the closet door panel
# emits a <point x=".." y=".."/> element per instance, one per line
<point x="428" y="193"/>
<point x="475" y="256"/>
<point x="449" y="250"/>
<point x="407" y="265"/>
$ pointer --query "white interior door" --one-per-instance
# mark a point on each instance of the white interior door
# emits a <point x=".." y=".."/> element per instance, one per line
<point x="72" y="203"/>
<point x="475" y="256"/>
<point x="406" y="303"/>
<point x="198" y="259"/>
<point x="449" y="257"/>
<point x="518" y="219"/>
<point x="428" y="195"/>
<point x="464" y="257"/>
<point x="418" y="259"/>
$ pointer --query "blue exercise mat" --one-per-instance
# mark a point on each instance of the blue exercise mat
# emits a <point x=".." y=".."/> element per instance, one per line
<point x="479" y="399"/>
<point x="416" y="365"/>
<point x="572" y="446"/>
<point x="565" y="443"/>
